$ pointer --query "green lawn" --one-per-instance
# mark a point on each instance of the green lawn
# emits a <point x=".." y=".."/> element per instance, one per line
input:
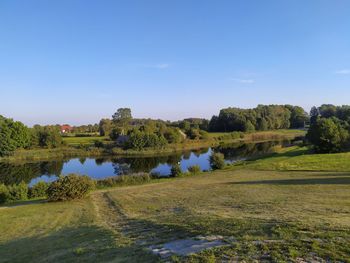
<point x="300" y="159"/>
<point x="76" y="141"/>
<point x="265" y="209"/>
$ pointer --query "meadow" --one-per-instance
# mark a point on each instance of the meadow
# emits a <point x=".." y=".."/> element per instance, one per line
<point x="264" y="209"/>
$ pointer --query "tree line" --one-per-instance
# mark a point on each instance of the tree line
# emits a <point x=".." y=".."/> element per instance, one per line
<point x="329" y="128"/>
<point x="15" y="135"/>
<point x="261" y="118"/>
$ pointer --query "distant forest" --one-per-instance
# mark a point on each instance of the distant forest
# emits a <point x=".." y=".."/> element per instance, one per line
<point x="328" y="128"/>
<point x="261" y="118"/>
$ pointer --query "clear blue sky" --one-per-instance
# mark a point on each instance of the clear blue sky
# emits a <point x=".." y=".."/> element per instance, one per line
<point x="76" y="61"/>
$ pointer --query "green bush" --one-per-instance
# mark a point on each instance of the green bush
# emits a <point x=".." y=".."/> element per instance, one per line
<point x="18" y="191"/>
<point x="38" y="190"/>
<point x="98" y="144"/>
<point x="217" y="161"/>
<point x="175" y="170"/>
<point x="4" y="194"/>
<point x="70" y="187"/>
<point x="231" y="136"/>
<point x="328" y="135"/>
<point x="139" y="140"/>
<point x="195" y="169"/>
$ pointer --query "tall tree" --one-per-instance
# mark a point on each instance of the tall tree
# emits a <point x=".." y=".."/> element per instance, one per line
<point x="122" y="118"/>
<point x="105" y="127"/>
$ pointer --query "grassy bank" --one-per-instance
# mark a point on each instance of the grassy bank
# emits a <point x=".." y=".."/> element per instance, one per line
<point x="264" y="214"/>
<point x="301" y="159"/>
<point x="81" y="146"/>
<point x="49" y="154"/>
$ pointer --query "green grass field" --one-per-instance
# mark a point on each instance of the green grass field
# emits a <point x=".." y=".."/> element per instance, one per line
<point x="265" y="209"/>
<point x="76" y="141"/>
<point x="300" y="159"/>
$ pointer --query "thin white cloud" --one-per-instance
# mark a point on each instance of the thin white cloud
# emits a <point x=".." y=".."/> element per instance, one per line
<point x="244" y="81"/>
<point x="343" y="72"/>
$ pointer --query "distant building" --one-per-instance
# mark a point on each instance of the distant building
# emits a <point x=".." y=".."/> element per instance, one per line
<point x="66" y="128"/>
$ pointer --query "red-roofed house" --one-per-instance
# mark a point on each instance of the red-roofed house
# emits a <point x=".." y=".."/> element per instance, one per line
<point x="66" y="128"/>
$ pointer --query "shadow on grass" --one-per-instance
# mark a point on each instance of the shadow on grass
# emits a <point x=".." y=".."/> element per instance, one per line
<point x="81" y="244"/>
<point x="23" y="203"/>
<point x="343" y="180"/>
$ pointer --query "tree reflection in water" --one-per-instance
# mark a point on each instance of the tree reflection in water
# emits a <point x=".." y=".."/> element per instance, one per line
<point x="15" y="173"/>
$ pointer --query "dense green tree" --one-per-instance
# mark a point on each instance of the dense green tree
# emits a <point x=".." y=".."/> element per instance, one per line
<point x="105" y="127"/>
<point x="193" y="134"/>
<point x="172" y="135"/>
<point x="298" y="116"/>
<point x="263" y="117"/>
<point x="48" y="136"/>
<point x="327" y="135"/>
<point x="115" y="133"/>
<point x="314" y="114"/>
<point x="327" y="110"/>
<point x="13" y="135"/>
<point x="140" y="140"/>
<point x="185" y="125"/>
<point x="249" y="127"/>
<point x="122" y="118"/>
<point x="262" y="124"/>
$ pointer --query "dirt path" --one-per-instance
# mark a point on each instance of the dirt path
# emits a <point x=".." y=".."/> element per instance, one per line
<point x="140" y="232"/>
<point x="161" y="240"/>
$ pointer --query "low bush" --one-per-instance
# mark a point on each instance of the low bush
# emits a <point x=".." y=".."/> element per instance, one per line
<point x="70" y="187"/>
<point x="175" y="170"/>
<point x="232" y="136"/>
<point x="195" y="169"/>
<point x="122" y="180"/>
<point x="4" y="194"/>
<point x="217" y="161"/>
<point x="18" y="192"/>
<point x="38" y="190"/>
<point x="98" y="144"/>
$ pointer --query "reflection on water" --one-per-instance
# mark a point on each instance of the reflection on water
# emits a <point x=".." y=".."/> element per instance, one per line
<point x="99" y="168"/>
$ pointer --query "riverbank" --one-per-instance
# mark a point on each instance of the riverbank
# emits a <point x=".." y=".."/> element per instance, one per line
<point x="74" y="151"/>
<point x="261" y="213"/>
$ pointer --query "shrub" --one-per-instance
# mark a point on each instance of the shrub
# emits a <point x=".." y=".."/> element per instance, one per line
<point x="195" y="169"/>
<point x="193" y="134"/>
<point x="217" y="161"/>
<point x="98" y="144"/>
<point x="4" y="194"/>
<point x="172" y="135"/>
<point x="48" y="136"/>
<point x="38" y="190"/>
<point x="175" y="170"/>
<point x="139" y="140"/>
<point x="70" y="187"/>
<point x="232" y="136"/>
<point x="18" y="192"/>
<point x="204" y="135"/>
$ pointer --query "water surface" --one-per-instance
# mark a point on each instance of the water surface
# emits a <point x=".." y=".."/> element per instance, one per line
<point x="99" y="168"/>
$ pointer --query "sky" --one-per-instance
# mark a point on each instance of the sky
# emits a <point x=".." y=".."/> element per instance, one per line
<point x="77" y="61"/>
